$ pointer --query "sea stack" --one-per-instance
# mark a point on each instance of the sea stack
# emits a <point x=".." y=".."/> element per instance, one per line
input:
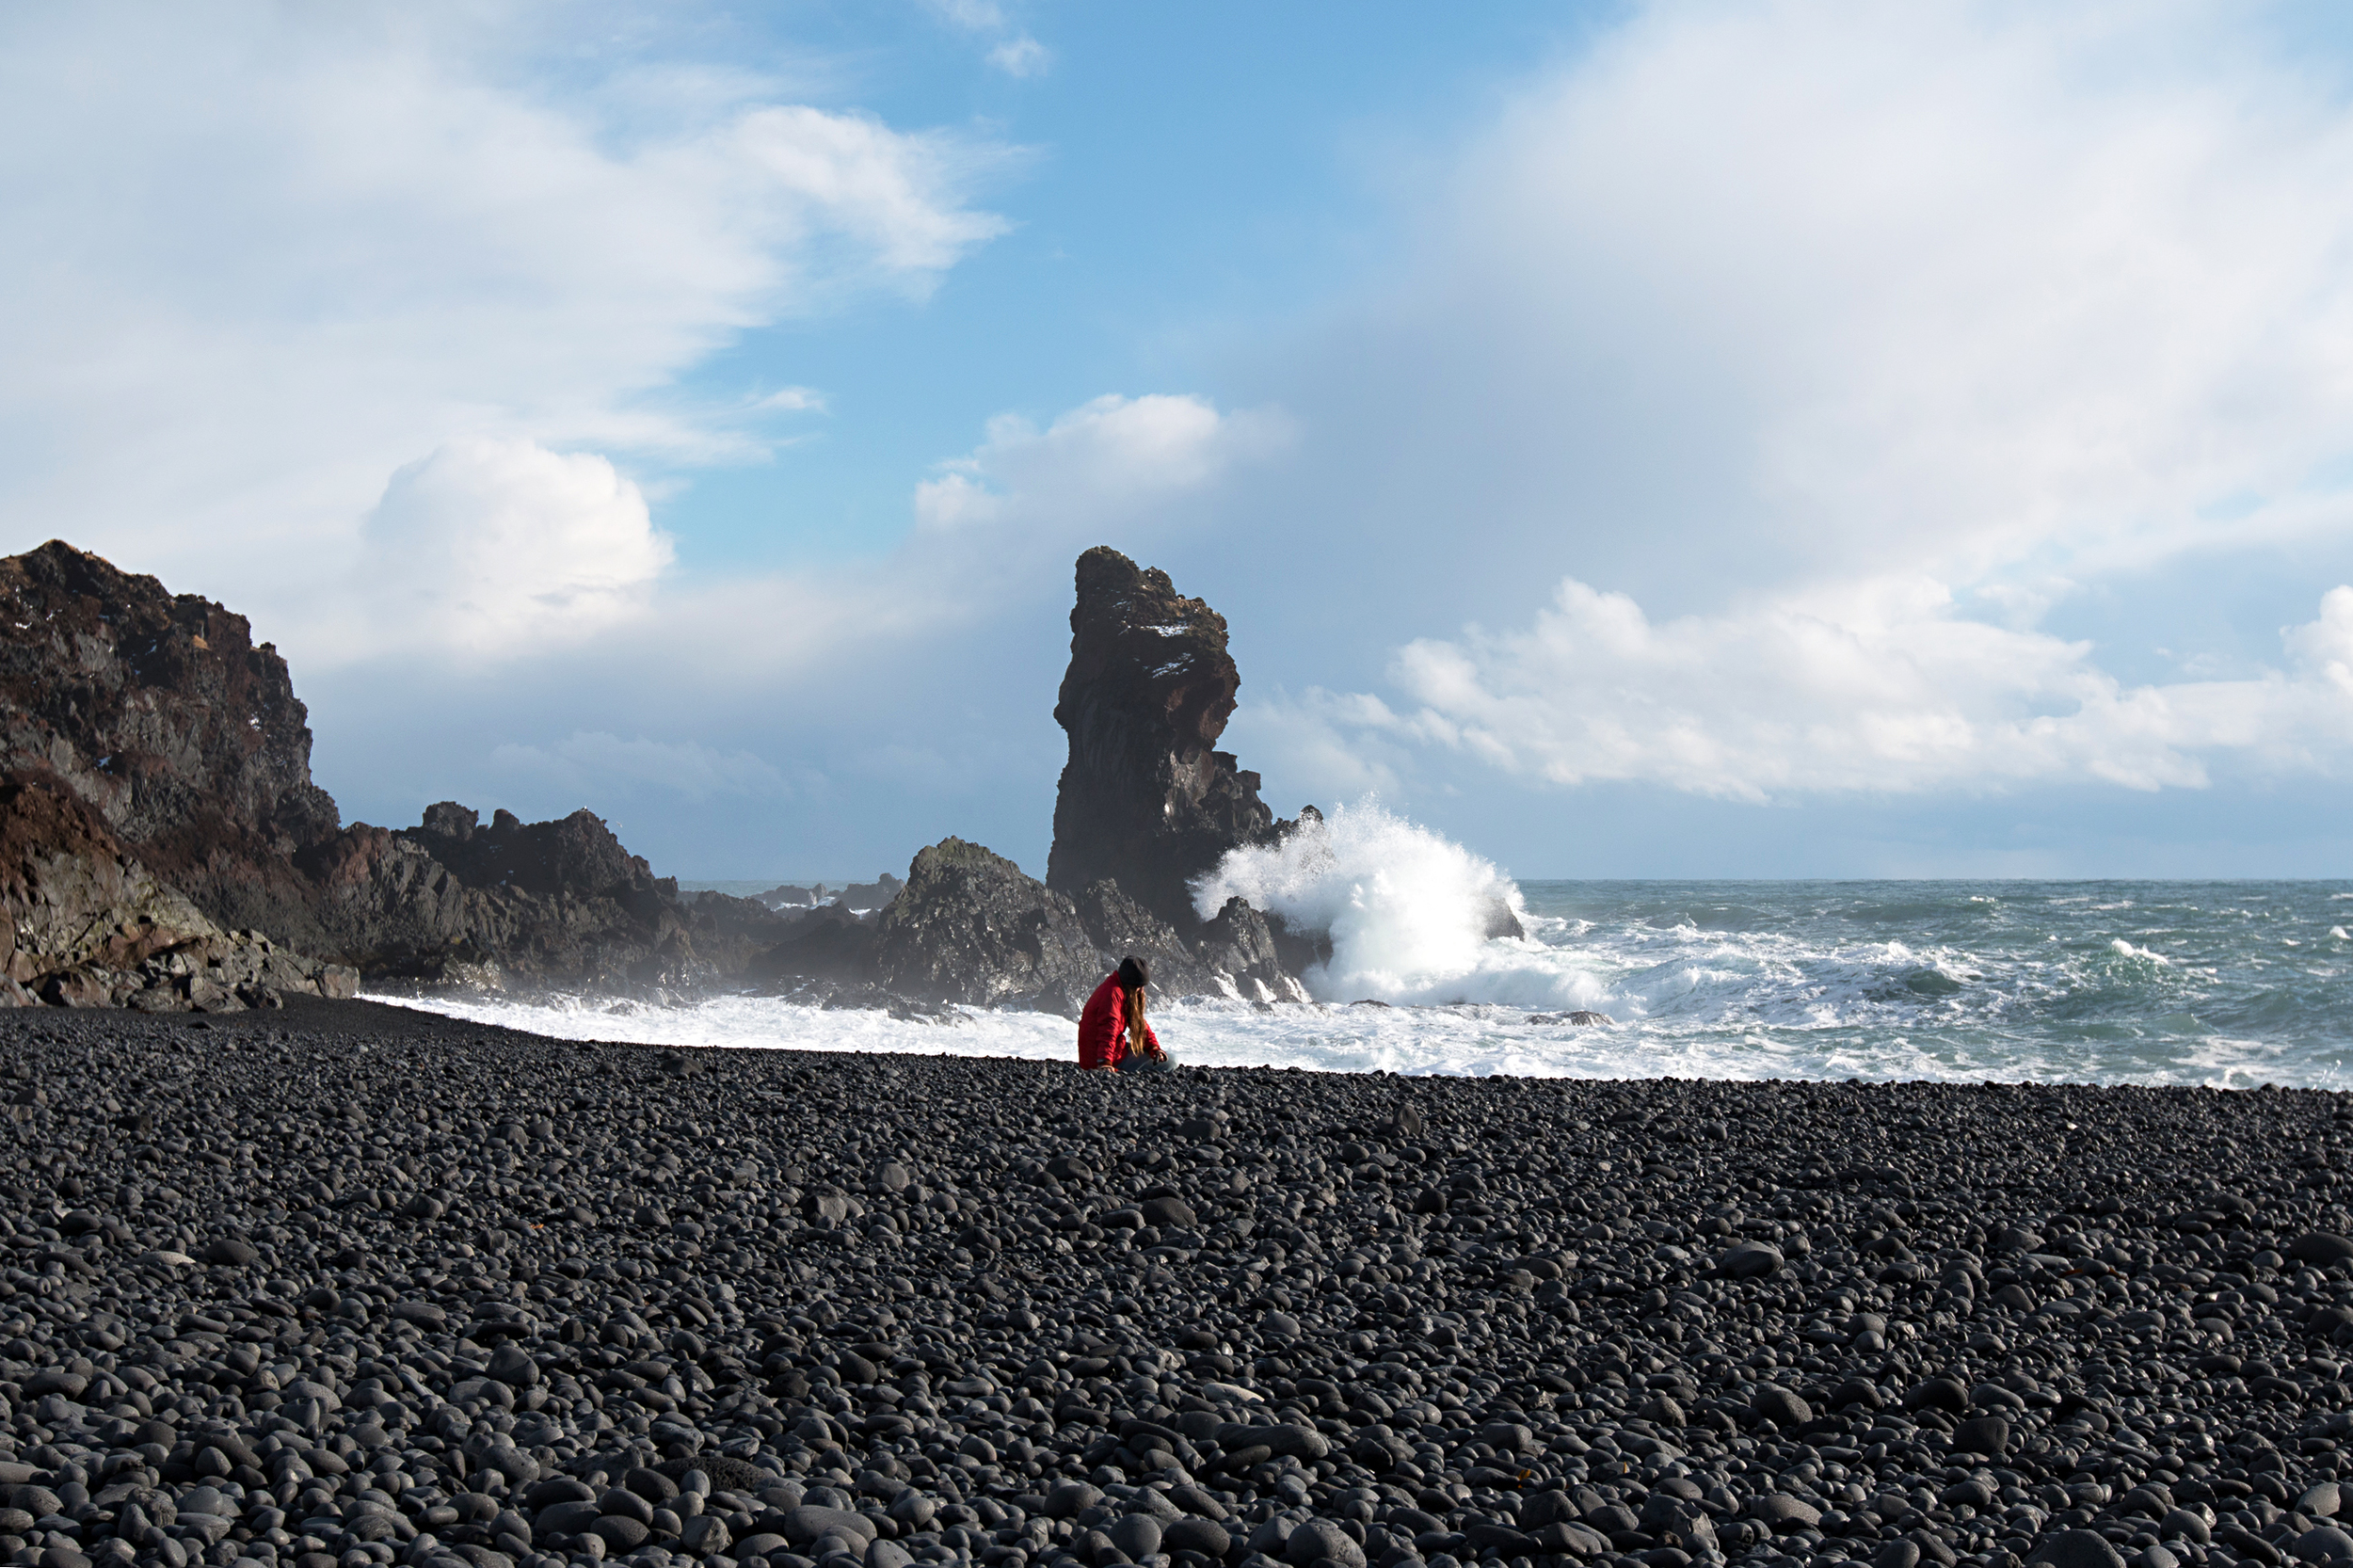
<point x="1146" y="799"/>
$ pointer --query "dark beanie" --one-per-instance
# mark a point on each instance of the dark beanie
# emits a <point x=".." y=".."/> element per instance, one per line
<point x="1134" y="972"/>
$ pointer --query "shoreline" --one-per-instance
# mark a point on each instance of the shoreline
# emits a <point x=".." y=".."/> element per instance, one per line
<point x="349" y="1282"/>
<point x="1407" y="1040"/>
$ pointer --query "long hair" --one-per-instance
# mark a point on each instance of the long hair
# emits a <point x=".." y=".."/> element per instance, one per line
<point x="1134" y="974"/>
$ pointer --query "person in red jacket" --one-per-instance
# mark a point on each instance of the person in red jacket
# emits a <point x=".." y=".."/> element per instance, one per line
<point x="1111" y="1029"/>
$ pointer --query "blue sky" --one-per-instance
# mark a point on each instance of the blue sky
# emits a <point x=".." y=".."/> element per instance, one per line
<point x="1787" y="439"/>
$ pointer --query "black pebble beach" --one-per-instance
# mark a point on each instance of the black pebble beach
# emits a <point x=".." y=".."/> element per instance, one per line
<point x="342" y="1285"/>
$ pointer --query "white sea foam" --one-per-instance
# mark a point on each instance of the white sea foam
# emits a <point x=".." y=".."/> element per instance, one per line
<point x="1727" y="980"/>
<point x="1409" y="915"/>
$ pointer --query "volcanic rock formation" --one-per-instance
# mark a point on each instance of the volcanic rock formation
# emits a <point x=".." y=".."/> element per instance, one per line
<point x="969" y="927"/>
<point x="548" y="902"/>
<point x="91" y="926"/>
<point x="165" y="840"/>
<point x="1146" y="800"/>
<point x="156" y="767"/>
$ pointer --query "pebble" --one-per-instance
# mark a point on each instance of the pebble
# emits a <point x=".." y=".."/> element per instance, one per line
<point x="340" y="1286"/>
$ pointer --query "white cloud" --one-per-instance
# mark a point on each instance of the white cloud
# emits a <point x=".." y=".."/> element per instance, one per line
<point x="1876" y="688"/>
<point x="993" y="542"/>
<point x="1821" y="331"/>
<point x="1018" y="55"/>
<point x="260" y="256"/>
<point x="1022" y="56"/>
<point x="1095" y="464"/>
<point x="791" y="400"/>
<point x="1954" y="287"/>
<point x="590" y="763"/>
<point x="500" y="547"/>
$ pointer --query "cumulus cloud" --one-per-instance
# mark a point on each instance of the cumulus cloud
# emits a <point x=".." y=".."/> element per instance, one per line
<point x="263" y="257"/>
<point x="1962" y="287"/>
<point x="1854" y="350"/>
<point x="1877" y="688"/>
<point x="492" y="547"/>
<point x="992" y="540"/>
<point x="1021" y="56"/>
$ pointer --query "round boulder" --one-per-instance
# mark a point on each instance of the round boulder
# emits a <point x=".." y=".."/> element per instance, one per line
<point x="1318" y="1539"/>
<point x="2075" y="1549"/>
<point x="1984" y="1435"/>
<point x="1070" y="1499"/>
<point x="2318" y="1248"/>
<point x="1138" y="1535"/>
<point x="2326" y="1543"/>
<point x="1204" y="1536"/>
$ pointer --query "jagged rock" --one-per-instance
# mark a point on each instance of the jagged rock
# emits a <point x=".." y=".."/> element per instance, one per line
<point x="1241" y="943"/>
<point x="556" y="903"/>
<point x="869" y="898"/>
<point x="828" y="942"/>
<point x="89" y="925"/>
<point x="185" y="741"/>
<point x="971" y="927"/>
<point x="1146" y="800"/>
<point x="1118" y="926"/>
<point x="158" y="710"/>
<point x="865" y="898"/>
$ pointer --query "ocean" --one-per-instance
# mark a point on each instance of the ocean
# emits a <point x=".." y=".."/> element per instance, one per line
<point x="2225" y="984"/>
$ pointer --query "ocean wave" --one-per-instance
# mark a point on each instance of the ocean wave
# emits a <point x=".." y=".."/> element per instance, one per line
<point x="1877" y="981"/>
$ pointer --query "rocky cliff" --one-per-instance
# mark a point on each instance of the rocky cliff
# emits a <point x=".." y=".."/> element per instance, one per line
<point x="155" y="779"/>
<point x="158" y="711"/>
<point x="544" y="904"/>
<point x="89" y="925"/>
<point x="971" y="927"/>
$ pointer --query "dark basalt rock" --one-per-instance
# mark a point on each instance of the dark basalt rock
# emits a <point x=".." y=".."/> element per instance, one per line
<point x="87" y="924"/>
<point x="158" y="710"/>
<point x="864" y="898"/>
<point x="971" y="927"/>
<point x="1118" y="926"/>
<point x="1146" y="800"/>
<point x="188" y="750"/>
<point x="549" y="903"/>
<point x="827" y="943"/>
<point x="1242" y="943"/>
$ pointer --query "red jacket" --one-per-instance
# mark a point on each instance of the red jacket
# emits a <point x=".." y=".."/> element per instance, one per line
<point x="1103" y="1027"/>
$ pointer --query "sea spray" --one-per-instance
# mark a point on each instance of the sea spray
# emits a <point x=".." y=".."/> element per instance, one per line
<point x="1412" y="917"/>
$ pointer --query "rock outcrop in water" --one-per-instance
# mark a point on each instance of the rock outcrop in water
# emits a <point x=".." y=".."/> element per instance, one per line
<point x="971" y="927"/>
<point x="1146" y="800"/>
<point x="169" y="841"/>
<point x="1146" y="804"/>
<point x="558" y="903"/>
